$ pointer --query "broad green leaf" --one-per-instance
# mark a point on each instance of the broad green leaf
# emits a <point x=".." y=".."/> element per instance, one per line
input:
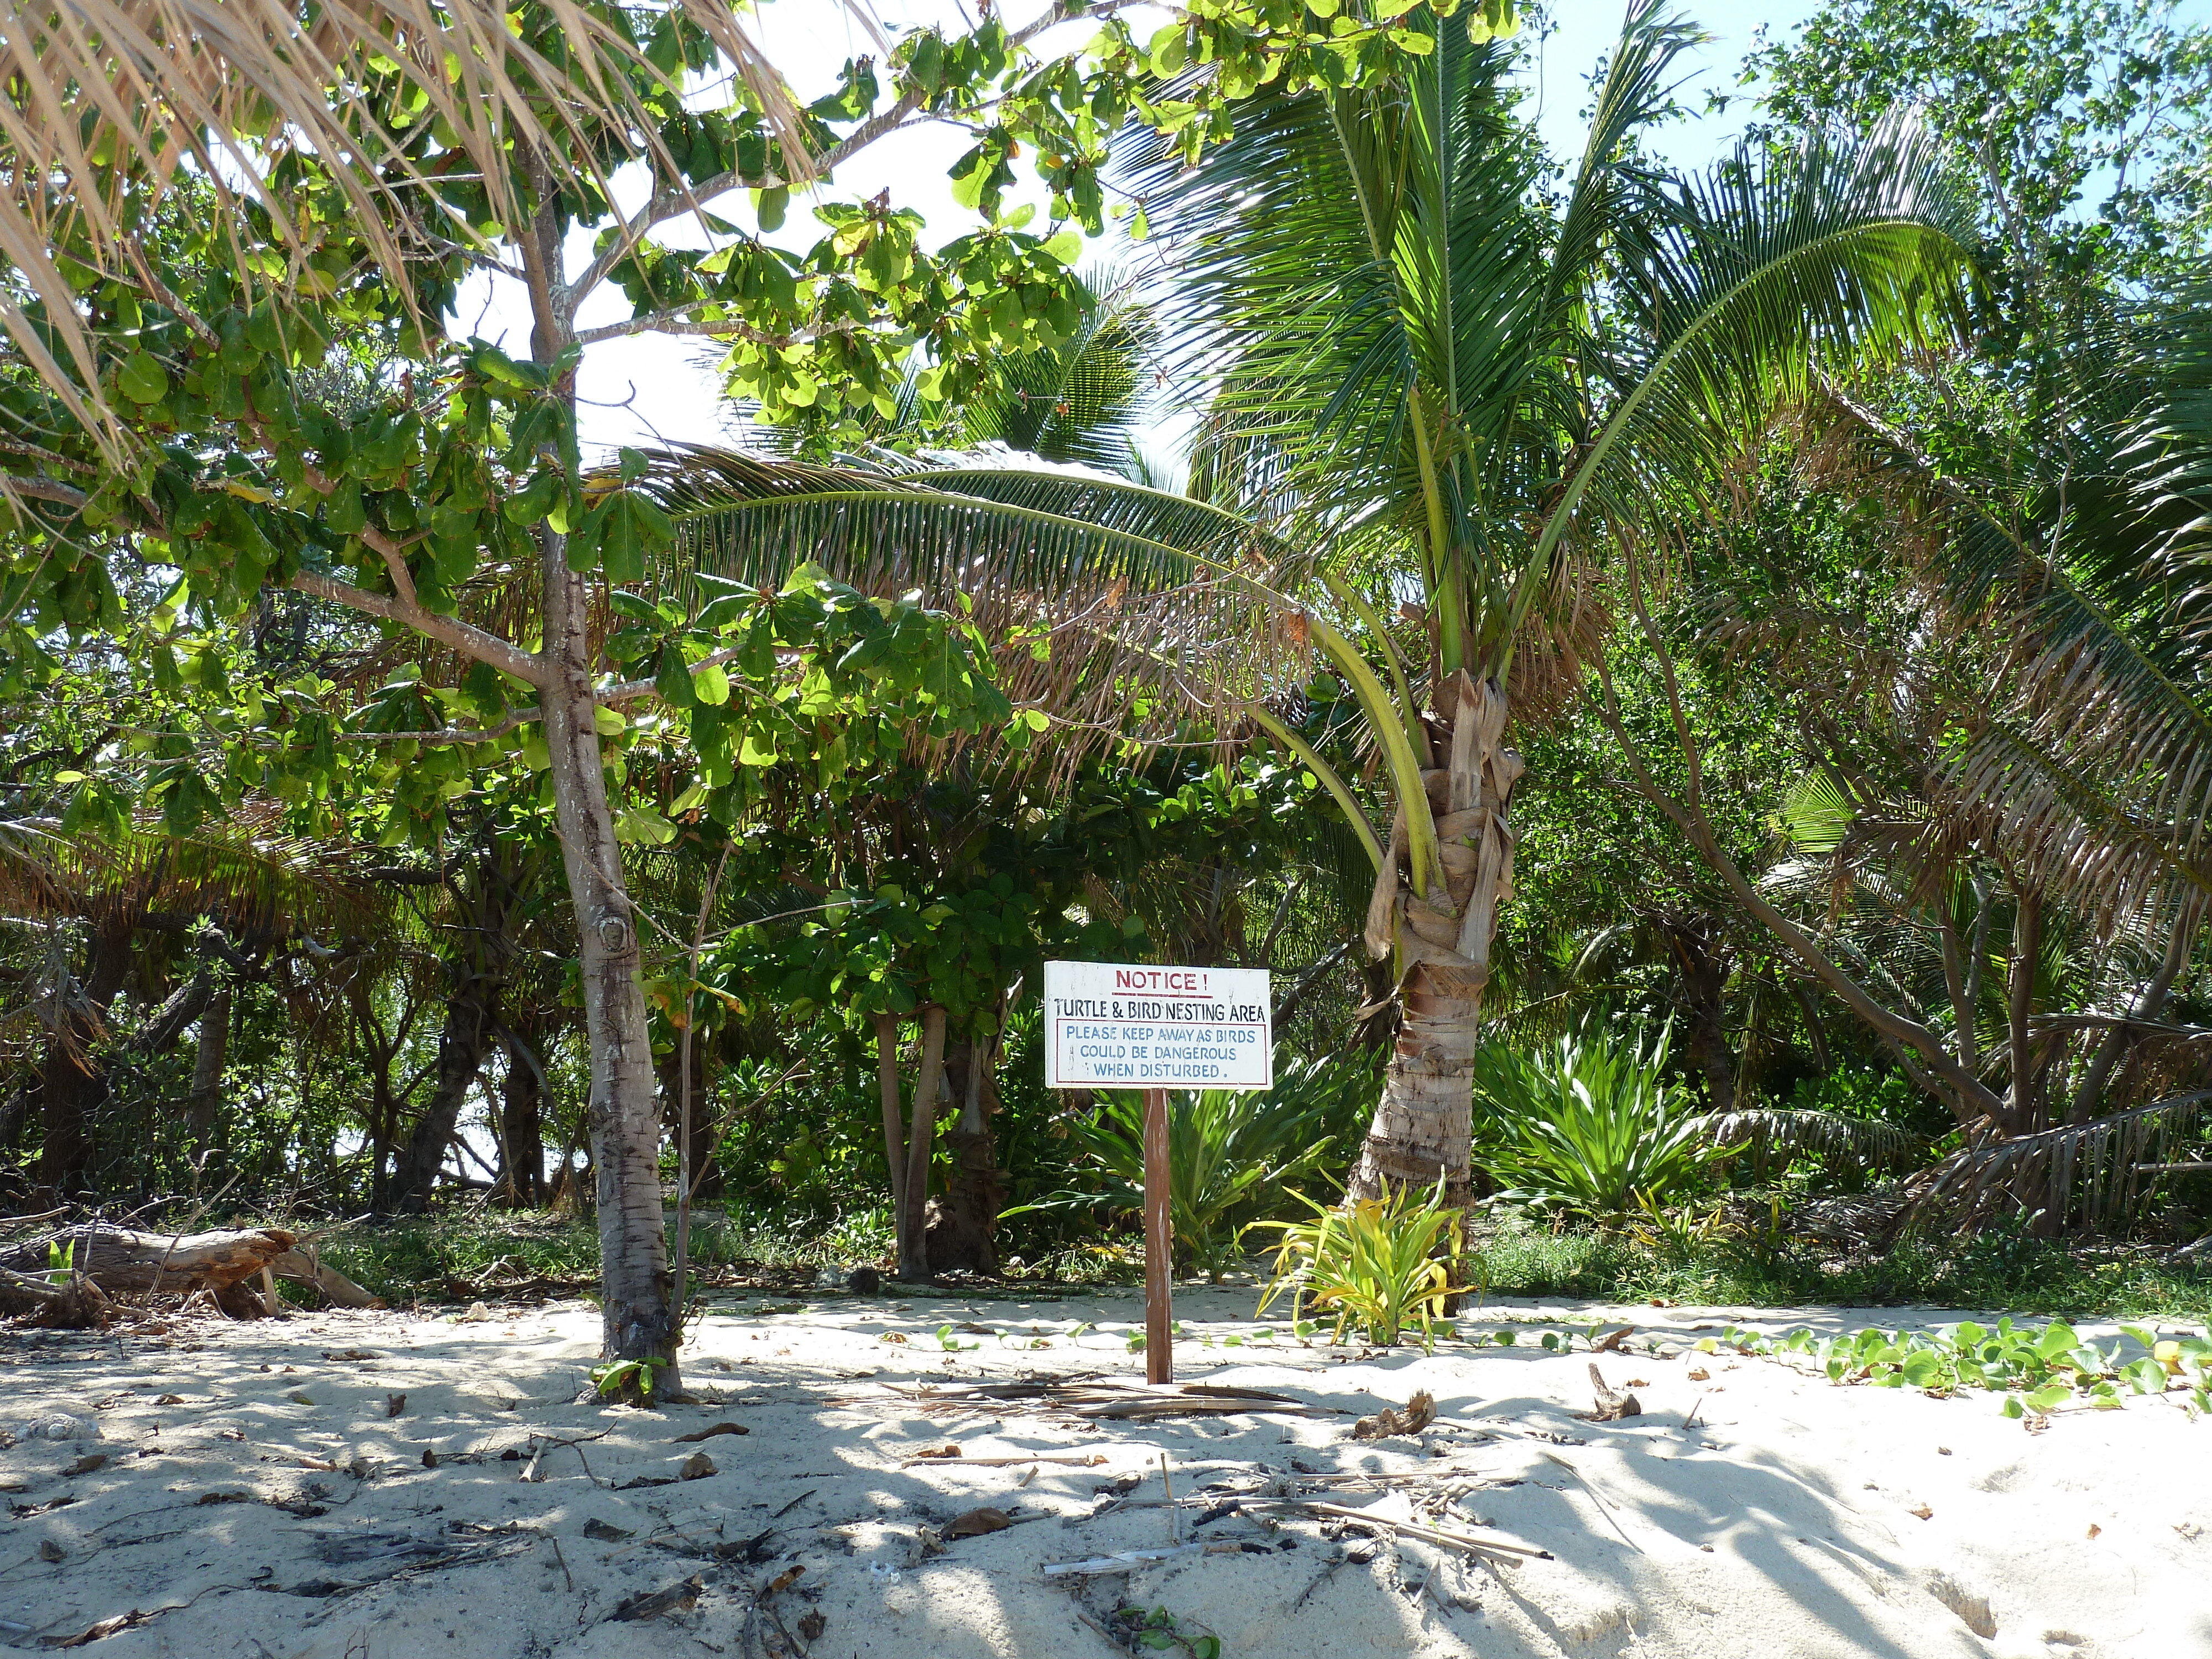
<point x="142" y="378"/>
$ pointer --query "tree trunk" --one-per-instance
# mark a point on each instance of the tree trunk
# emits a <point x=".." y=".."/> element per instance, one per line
<point x="461" y="1048"/>
<point x="205" y="1108"/>
<point x="887" y="1084"/>
<point x="964" y="1224"/>
<point x="1704" y="974"/>
<point x="522" y="1125"/>
<point x="1440" y="944"/>
<point x="706" y="1180"/>
<point x="638" y="1317"/>
<point x="74" y="1084"/>
<point x="2026" y="957"/>
<point x="920" y="1146"/>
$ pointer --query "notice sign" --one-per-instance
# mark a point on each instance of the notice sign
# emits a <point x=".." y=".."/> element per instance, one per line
<point x="1110" y="1025"/>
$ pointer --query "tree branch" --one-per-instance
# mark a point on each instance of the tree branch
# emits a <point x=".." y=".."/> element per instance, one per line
<point x="668" y="202"/>
<point x="1973" y="1099"/>
<point x="469" y="641"/>
<point x="670" y="322"/>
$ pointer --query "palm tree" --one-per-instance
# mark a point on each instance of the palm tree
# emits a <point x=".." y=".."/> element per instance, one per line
<point x="1468" y="392"/>
<point x="1424" y="376"/>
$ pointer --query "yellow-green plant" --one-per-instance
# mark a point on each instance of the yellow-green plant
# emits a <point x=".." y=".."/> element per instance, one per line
<point x="1381" y="1264"/>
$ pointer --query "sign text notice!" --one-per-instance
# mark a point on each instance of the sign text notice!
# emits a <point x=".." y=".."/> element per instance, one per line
<point x="1115" y="1026"/>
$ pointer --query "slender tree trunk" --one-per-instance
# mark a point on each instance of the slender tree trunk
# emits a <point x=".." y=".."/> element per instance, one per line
<point x="1440" y="944"/>
<point x="2027" y="956"/>
<point x="1962" y="989"/>
<point x="964" y="1235"/>
<point x="74" y="1083"/>
<point x="205" y="1106"/>
<point x="522" y="1125"/>
<point x="1705" y="978"/>
<point x="887" y="1082"/>
<point x="638" y="1320"/>
<point x="462" y="1046"/>
<point x="920" y="1146"/>
<point x="638" y="1317"/>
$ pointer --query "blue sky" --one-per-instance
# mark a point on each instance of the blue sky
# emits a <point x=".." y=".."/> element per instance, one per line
<point x="645" y="389"/>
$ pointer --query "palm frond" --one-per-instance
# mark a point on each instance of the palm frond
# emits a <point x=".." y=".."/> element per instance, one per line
<point x="1788" y="1134"/>
<point x="2088" y="1170"/>
<point x="108" y="101"/>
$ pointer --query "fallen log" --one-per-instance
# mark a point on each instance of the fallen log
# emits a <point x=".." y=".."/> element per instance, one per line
<point x="77" y="1303"/>
<point x="120" y="1259"/>
<point x="306" y="1267"/>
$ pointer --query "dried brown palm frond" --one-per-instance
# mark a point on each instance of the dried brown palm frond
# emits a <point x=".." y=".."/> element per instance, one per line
<point x="1776" y="1132"/>
<point x="250" y="883"/>
<point x="103" y="102"/>
<point x="2086" y="1169"/>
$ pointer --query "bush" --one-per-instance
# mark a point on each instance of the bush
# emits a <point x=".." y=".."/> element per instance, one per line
<point x="1588" y="1126"/>
<point x="1380" y="1264"/>
<point x="1232" y="1159"/>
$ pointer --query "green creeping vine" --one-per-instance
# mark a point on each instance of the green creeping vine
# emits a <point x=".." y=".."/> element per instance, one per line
<point x="2037" y="1370"/>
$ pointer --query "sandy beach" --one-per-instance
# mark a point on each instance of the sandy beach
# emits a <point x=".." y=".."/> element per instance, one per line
<point x="262" y="1490"/>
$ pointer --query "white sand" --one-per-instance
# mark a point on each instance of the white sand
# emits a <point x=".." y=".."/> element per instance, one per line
<point x="1781" y="1524"/>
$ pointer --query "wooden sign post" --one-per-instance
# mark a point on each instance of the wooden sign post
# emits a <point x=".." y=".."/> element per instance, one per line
<point x="1159" y="1243"/>
<point x="1122" y="1026"/>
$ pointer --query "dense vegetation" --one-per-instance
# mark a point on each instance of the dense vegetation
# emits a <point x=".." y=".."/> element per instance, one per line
<point x="1695" y="685"/>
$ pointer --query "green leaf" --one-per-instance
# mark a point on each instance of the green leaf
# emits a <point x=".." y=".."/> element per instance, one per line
<point x="143" y="379"/>
<point x="673" y="679"/>
<point x="2057" y="1339"/>
<point x="710" y="684"/>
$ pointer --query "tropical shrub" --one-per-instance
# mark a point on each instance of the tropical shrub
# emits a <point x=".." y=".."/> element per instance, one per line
<point x="1232" y="1158"/>
<point x="1588" y="1126"/>
<point x="1380" y="1264"/>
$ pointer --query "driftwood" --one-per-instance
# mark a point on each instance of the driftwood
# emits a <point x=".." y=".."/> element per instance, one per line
<point x="77" y="1304"/>
<point x="120" y="1259"/>
<point x="308" y="1268"/>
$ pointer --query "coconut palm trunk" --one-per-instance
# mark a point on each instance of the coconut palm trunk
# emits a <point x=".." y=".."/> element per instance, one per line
<point x="1439" y="942"/>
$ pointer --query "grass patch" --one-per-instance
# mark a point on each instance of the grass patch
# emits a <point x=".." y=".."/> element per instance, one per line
<point x="467" y="1255"/>
<point x="1998" y="1270"/>
<point x="441" y="1257"/>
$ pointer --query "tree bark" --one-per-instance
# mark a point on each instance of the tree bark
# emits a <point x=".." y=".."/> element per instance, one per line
<point x="121" y="1259"/>
<point x="522" y="1125"/>
<point x="920" y="1146"/>
<point x="462" y="1046"/>
<point x="1704" y="976"/>
<point x="638" y="1317"/>
<point x="2027" y="956"/>
<point x="74" y="1084"/>
<point x="964" y="1224"/>
<point x="887" y="1084"/>
<point x="204" y="1109"/>
<point x="1441" y="943"/>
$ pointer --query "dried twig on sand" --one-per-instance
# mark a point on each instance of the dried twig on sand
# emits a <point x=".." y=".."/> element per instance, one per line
<point x="1116" y="1401"/>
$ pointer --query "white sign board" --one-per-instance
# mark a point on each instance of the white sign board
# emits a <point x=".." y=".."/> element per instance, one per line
<point x="1117" y="1025"/>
